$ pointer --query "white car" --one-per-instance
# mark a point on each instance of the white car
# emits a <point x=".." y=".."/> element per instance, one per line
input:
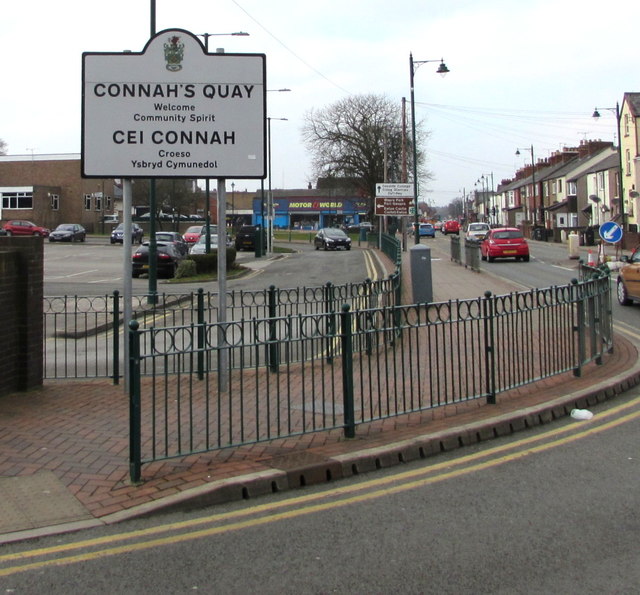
<point x="477" y="231"/>
<point x="200" y="247"/>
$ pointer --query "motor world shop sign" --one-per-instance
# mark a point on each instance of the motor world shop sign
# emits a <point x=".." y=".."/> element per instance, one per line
<point x="173" y="111"/>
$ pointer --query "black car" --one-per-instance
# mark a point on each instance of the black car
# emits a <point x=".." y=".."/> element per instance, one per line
<point x="167" y="261"/>
<point x="246" y="238"/>
<point x="368" y="227"/>
<point x="331" y="238"/>
<point x="68" y="232"/>
<point x="117" y="235"/>
<point x="175" y="238"/>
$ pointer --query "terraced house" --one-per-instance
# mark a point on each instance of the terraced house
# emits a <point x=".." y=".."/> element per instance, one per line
<point x="576" y="189"/>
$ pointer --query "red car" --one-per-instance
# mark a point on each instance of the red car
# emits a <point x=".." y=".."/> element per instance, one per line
<point x="451" y="226"/>
<point x="18" y="227"/>
<point x="504" y="242"/>
<point x="192" y="235"/>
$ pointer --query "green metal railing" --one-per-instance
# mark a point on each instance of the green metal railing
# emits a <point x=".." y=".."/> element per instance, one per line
<point x="83" y="334"/>
<point x="344" y="366"/>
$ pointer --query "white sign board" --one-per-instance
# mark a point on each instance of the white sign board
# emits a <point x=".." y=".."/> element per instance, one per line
<point x="173" y="111"/>
<point x="394" y="190"/>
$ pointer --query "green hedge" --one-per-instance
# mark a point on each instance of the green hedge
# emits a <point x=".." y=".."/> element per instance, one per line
<point x="208" y="263"/>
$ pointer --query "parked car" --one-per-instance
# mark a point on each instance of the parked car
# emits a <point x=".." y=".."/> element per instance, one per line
<point x="137" y="234"/>
<point x="200" y="247"/>
<point x="426" y="230"/>
<point x="331" y="238"/>
<point x="19" y="227"/>
<point x="628" y="287"/>
<point x="504" y="242"/>
<point x="68" y="232"/>
<point x="369" y="227"/>
<point x="451" y="226"/>
<point x="174" y="238"/>
<point x="476" y="232"/>
<point x="168" y="257"/>
<point x="246" y="238"/>
<point x="438" y="225"/>
<point x="192" y="235"/>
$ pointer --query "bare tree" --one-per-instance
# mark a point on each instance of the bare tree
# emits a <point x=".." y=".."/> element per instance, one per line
<point x="353" y="138"/>
<point x="3" y="147"/>
<point x="174" y="196"/>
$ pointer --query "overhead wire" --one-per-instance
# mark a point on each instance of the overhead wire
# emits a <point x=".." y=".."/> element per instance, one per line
<point x="288" y="49"/>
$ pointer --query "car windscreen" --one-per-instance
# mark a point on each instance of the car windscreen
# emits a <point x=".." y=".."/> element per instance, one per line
<point x="334" y="233"/>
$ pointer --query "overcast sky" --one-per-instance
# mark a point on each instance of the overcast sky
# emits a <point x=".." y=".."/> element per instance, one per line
<point x="522" y="73"/>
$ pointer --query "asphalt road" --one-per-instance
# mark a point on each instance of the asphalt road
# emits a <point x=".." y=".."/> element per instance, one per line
<point x="95" y="268"/>
<point x="550" y="265"/>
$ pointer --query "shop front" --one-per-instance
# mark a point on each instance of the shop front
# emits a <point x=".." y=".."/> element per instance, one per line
<point x="307" y="213"/>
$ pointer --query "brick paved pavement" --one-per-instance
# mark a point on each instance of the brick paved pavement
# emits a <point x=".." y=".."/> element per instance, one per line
<point x="64" y="448"/>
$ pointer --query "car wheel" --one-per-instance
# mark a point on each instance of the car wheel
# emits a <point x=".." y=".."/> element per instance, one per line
<point x="490" y="258"/>
<point x="113" y="242"/>
<point x="317" y="247"/>
<point x="526" y="258"/>
<point x="623" y="295"/>
<point x="482" y="257"/>
<point x="348" y="247"/>
<point x="326" y="247"/>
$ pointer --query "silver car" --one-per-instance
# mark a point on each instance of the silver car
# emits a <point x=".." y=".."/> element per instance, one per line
<point x="200" y="247"/>
<point x="477" y="231"/>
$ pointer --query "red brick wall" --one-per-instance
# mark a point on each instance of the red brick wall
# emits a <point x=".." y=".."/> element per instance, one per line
<point x="21" y="299"/>
<point x="56" y="176"/>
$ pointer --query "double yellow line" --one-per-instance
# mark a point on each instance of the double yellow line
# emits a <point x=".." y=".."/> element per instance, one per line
<point x="299" y="506"/>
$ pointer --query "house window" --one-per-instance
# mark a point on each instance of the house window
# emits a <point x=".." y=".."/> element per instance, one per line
<point x="600" y="181"/>
<point x="627" y="156"/>
<point x="87" y="202"/>
<point x="560" y="186"/>
<point x="17" y="200"/>
<point x="55" y="201"/>
<point x="107" y="205"/>
<point x="572" y="189"/>
<point x="626" y="124"/>
<point x="98" y="202"/>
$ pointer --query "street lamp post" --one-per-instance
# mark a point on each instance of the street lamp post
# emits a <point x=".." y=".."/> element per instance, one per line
<point x="442" y="69"/>
<point x="207" y="190"/>
<point x="540" y="215"/>
<point x="596" y="115"/>
<point x="269" y="193"/>
<point x="485" y="196"/>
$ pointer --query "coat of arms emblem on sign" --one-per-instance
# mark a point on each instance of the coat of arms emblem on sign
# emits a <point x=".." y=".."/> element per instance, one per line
<point x="174" y="53"/>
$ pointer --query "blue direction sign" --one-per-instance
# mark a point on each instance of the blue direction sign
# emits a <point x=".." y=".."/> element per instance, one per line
<point x="611" y="232"/>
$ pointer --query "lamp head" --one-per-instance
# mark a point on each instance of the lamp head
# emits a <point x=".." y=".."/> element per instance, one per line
<point x="518" y="152"/>
<point x="442" y="69"/>
<point x="596" y="114"/>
